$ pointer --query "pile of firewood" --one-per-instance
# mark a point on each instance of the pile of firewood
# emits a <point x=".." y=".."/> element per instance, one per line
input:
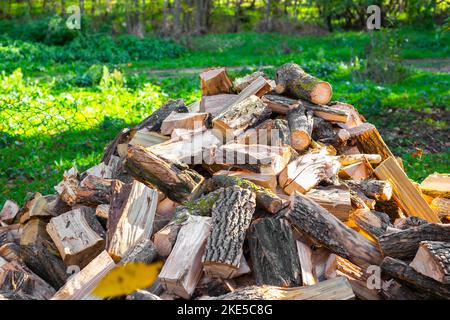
<point x="261" y="190"/>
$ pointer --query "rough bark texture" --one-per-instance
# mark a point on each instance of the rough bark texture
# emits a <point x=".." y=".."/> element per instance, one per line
<point x="279" y="104"/>
<point x="323" y="132"/>
<point x="373" y="222"/>
<point x="94" y="191"/>
<point x="404" y="244"/>
<point x="400" y="270"/>
<point x="320" y="225"/>
<point x="154" y="121"/>
<point x="433" y="260"/>
<point x="376" y="189"/>
<point x="326" y="112"/>
<point x="274" y="253"/>
<point x="177" y="181"/>
<point x="265" y="198"/>
<point x="240" y="84"/>
<point x="300" y="126"/>
<point x="143" y="251"/>
<point x="295" y="82"/>
<point x="231" y="216"/>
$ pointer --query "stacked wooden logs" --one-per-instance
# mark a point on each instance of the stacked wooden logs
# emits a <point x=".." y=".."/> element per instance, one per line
<point x="261" y="190"/>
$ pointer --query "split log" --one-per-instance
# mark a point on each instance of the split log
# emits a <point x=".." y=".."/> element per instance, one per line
<point x="316" y="222"/>
<point x="436" y="185"/>
<point x="268" y="181"/>
<point x="241" y="115"/>
<point x="323" y="131"/>
<point x="433" y="260"/>
<point x="336" y="200"/>
<point x="306" y="263"/>
<point x="306" y="172"/>
<point x="357" y="171"/>
<point x="166" y="208"/>
<point x="190" y="121"/>
<point x="214" y="105"/>
<point x="300" y="126"/>
<point x="400" y="270"/>
<point x="148" y="138"/>
<point x="369" y="140"/>
<point x="405" y="243"/>
<point x="93" y="191"/>
<point x="273" y="252"/>
<point x="187" y="252"/>
<point x="10" y="233"/>
<point x="10" y="251"/>
<point x="347" y="159"/>
<point x="354" y="119"/>
<point x="373" y="222"/>
<point x="257" y="87"/>
<point x="442" y="207"/>
<point x="376" y="189"/>
<point x="155" y="120"/>
<point x="326" y="112"/>
<point x="45" y="264"/>
<point x="102" y="214"/>
<point x="257" y="158"/>
<point x="16" y="277"/>
<point x="67" y="189"/>
<point x="333" y="289"/>
<point x="405" y="194"/>
<point x="279" y="104"/>
<point x="34" y="232"/>
<point x="143" y="251"/>
<point x="295" y="82"/>
<point x="47" y="206"/>
<point x="100" y="170"/>
<point x="123" y="137"/>
<point x="176" y="180"/>
<point x="231" y="216"/>
<point x="271" y="132"/>
<point x="81" y="285"/>
<point x="165" y="239"/>
<point x="9" y="211"/>
<point x="214" y="81"/>
<point x="240" y="84"/>
<point x="78" y="236"/>
<point x="134" y="219"/>
<point x="409" y="222"/>
<point x="265" y="198"/>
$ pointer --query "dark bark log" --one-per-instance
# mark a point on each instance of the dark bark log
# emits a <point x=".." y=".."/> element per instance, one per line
<point x="154" y="121"/>
<point x="94" y="191"/>
<point x="376" y="189"/>
<point x="279" y="104"/>
<point x="324" y="228"/>
<point x="143" y="251"/>
<point x="394" y="290"/>
<point x="404" y="244"/>
<point x="231" y="216"/>
<point x="301" y="126"/>
<point x="373" y="222"/>
<point x="326" y="112"/>
<point x="433" y="260"/>
<point x="400" y="270"/>
<point x="409" y="222"/>
<point x="240" y="84"/>
<point x="175" y="180"/>
<point x="274" y="253"/>
<point x="295" y="82"/>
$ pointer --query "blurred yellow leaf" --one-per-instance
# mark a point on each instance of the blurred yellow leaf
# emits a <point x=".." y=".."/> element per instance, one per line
<point x="127" y="278"/>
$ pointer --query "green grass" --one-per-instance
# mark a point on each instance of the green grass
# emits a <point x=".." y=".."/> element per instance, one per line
<point x="56" y="112"/>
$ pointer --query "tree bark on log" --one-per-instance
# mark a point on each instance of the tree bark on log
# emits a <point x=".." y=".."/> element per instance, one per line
<point x="177" y="181"/>
<point x="231" y="217"/>
<point x="316" y="222"/>
<point x="433" y="260"/>
<point x="295" y="82"/>
<point x="155" y="120"/>
<point x="142" y="251"/>
<point x="376" y="189"/>
<point x="369" y="140"/>
<point x="274" y="253"/>
<point x="279" y="104"/>
<point x="404" y="244"/>
<point x="373" y="222"/>
<point x="300" y="126"/>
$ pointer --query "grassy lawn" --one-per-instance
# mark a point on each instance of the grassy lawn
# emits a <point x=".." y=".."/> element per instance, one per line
<point x="56" y="112"/>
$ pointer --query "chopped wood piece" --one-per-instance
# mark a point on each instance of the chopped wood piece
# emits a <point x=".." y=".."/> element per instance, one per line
<point x="148" y="138"/>
<point x="326" y="112"/>
<point x="400" y="270"/>
<point x="354" y="119"/>
<point x="113" y="146"/>
<point x="240" y="84"/>
<point x="436" y="185"/>
<point x="45" y="264"/>
<point x="408" y="222"/>
<point x="10" y="251"/>
<point x="316" y="222"/>
<point x="241" y="115"/>
<point x="376" y="189"/>
<point x="357" y="171"/>
<point x="16" y="277"/>
<point x="101" y="170"/>
<point x="257" y="157"/>
<point x="102" y="213"/>
<point x="442" y="207"/>
<point x="347" y="159"/>
<point x="190" y="121"/>
<point x="393" y="290"/>
<point x="306" y="263"/>
<point x="154" y="121"/>
<point x="324" y="132"/>
<point x="93" y="191"/>
<point x="373" y="222"/>
<point x="258" y="87"/>
<point x="135" y="219"/>
<point x="231" y="216"/>
<point x="9" y="211"/>
<point x="334" y="289"/>
<point x="214" y="81"/>
<point x="165" y="239"/>
<point x="81" y="285"/>
<point x="271" y="132"/>
<point x="47" y="206"/>
<point x="265" y="198"/>
<point x="268" y="181"/>
<point x="9" y="295"/>
<point x="279" y="104"/>
<point x="10" y="233"/>
<point x="214" y="105"/>
<point x="273" y="252"/>
<point x="142" y="251"/>
<point x="300" y="126"/>
<point x="295" y="82"/>
<point x="368" y="140"/>
<point x="34" y="233"/>
<point x="78" y="236"/>
<point x="405" y="194"/>
<point x="166" y="208"/>
<point x="183" y="268"/>
<point x="176" y="180"/>
<point x="404" y="244"/>
<point x="67" y="189"/>
<point x="306" y="172"/>
<point x="433" y="260"/>
<point x="336" y="200"/>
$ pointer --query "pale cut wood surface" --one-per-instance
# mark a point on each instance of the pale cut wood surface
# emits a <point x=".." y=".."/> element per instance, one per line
<point x="436" y="185"/>
<point x="9" y="211"/>
<point x="268" y="181"/>
<point x="335" y="199"/>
